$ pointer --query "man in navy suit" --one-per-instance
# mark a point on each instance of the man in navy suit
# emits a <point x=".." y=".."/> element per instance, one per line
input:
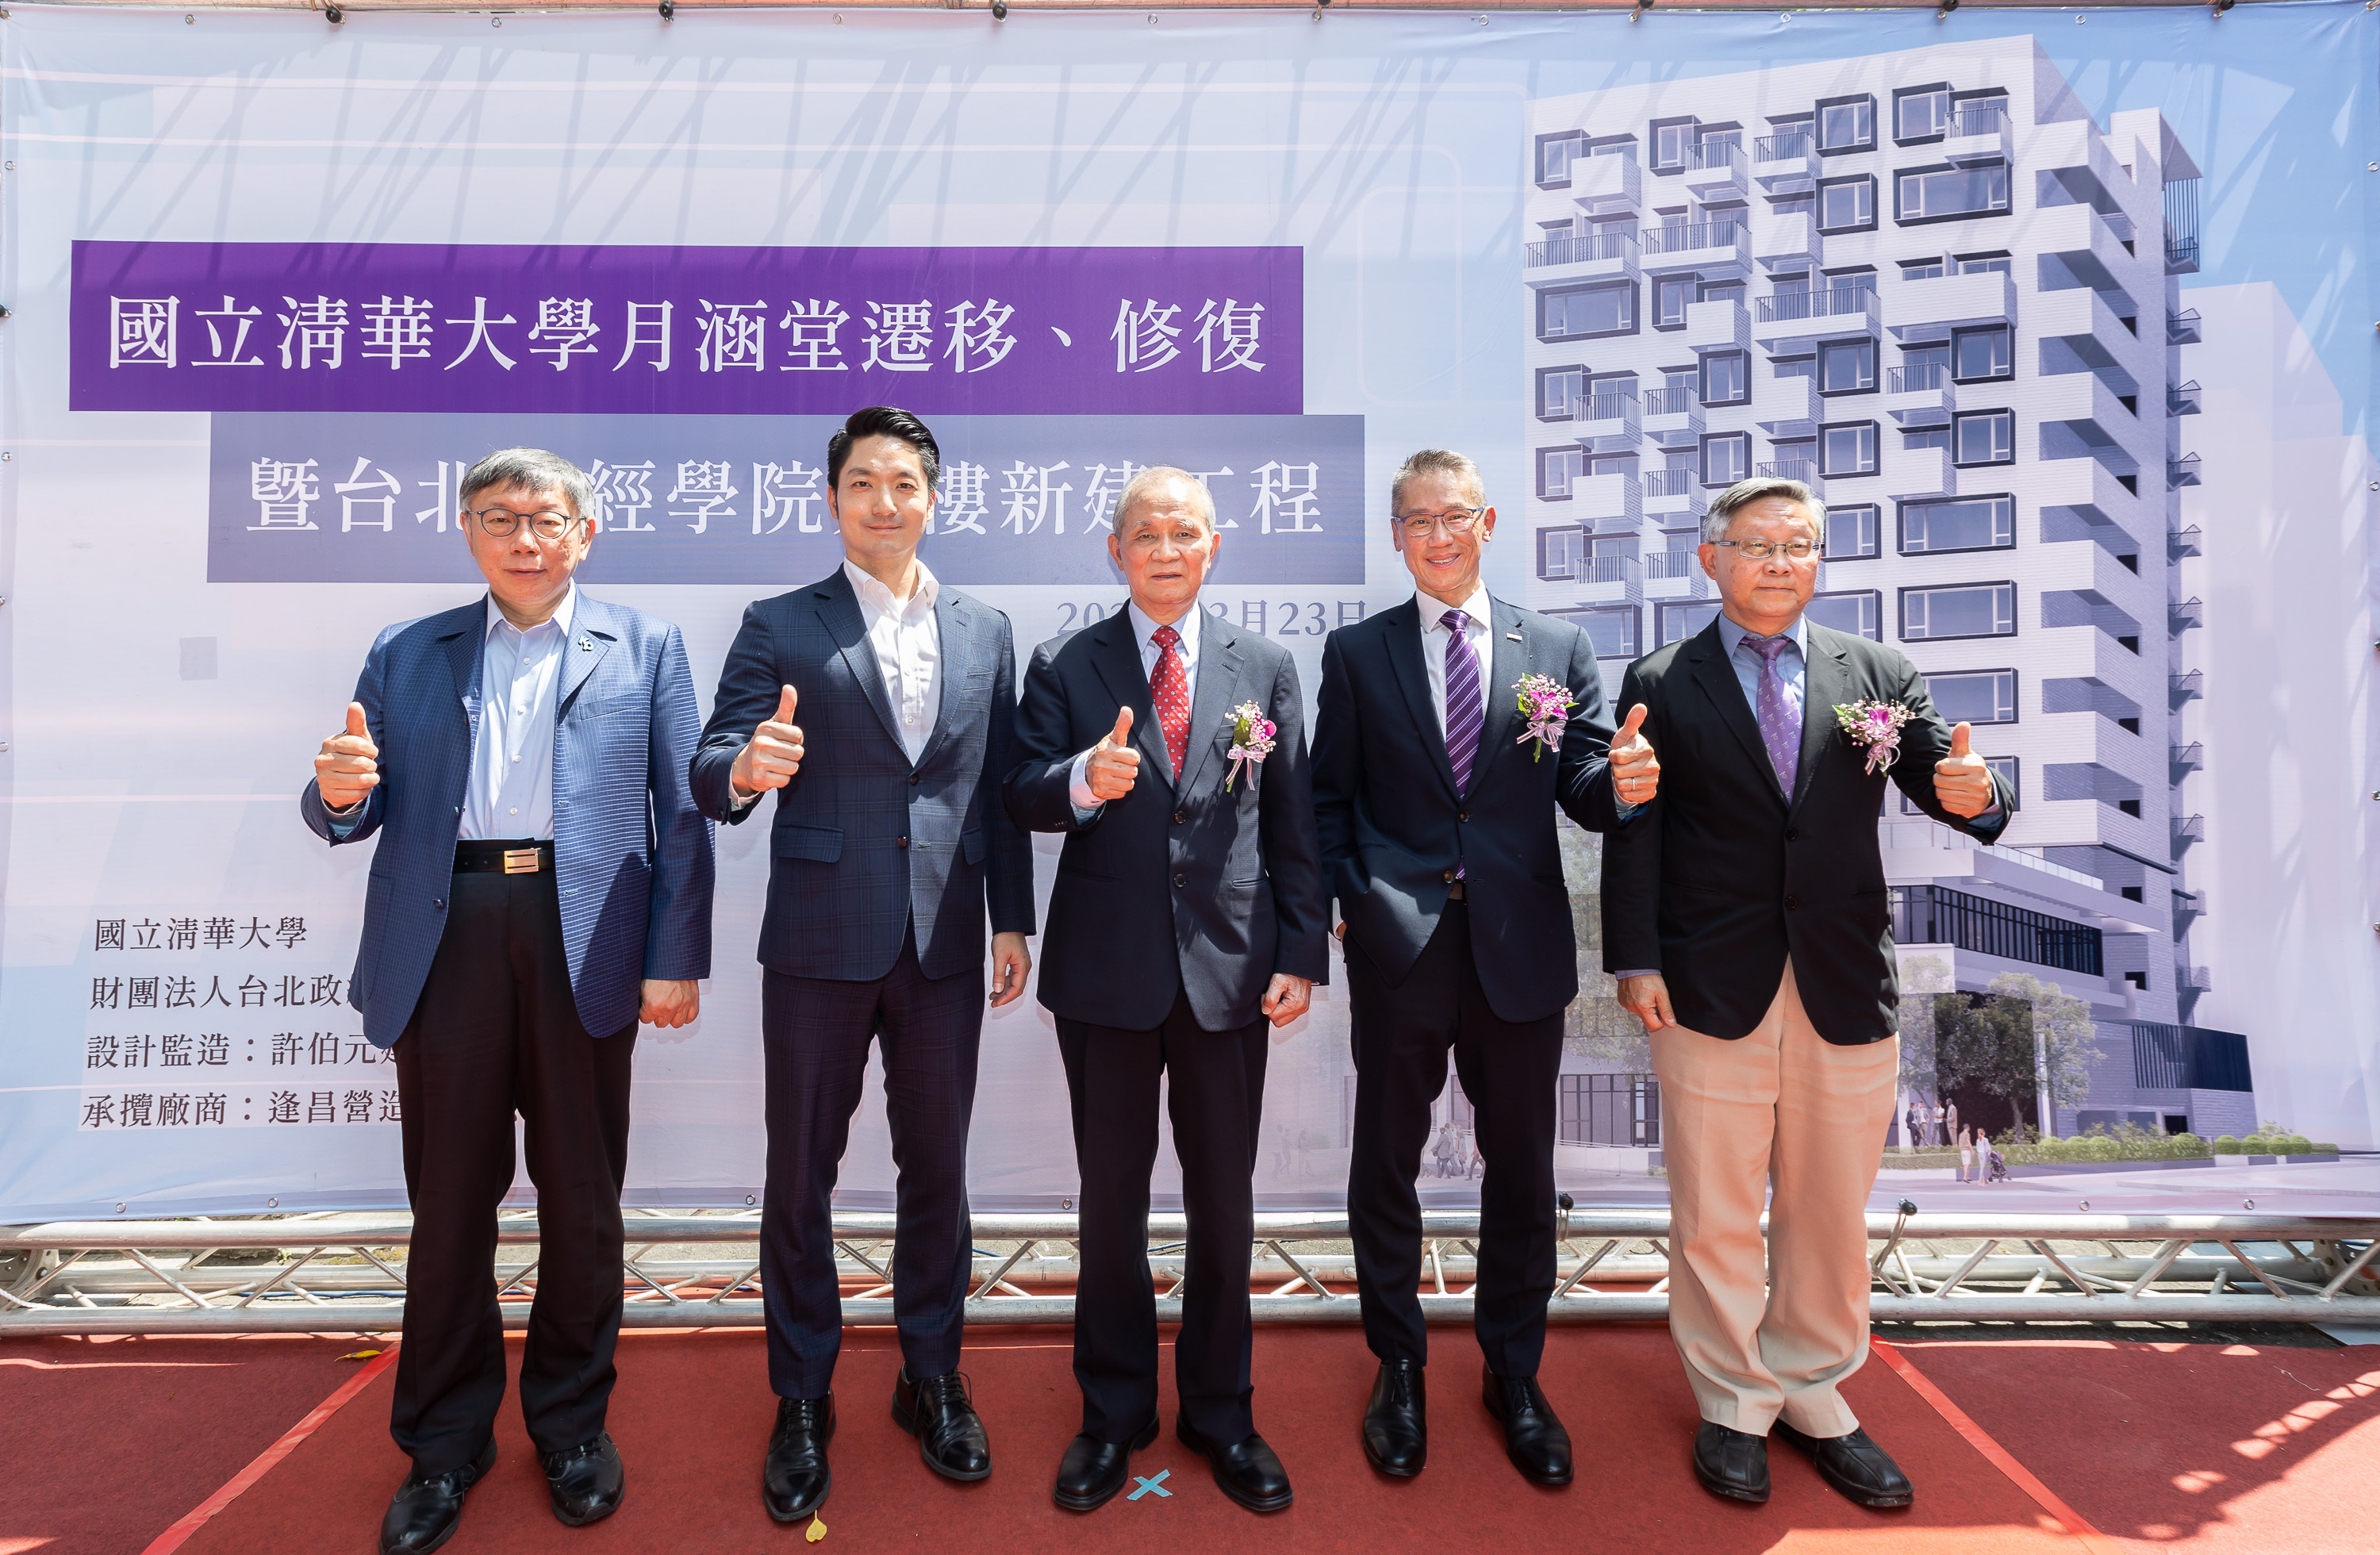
<point x="543" y="883"/>
<point x="1187" y="913"/>
<point x="887" y="847"/>
<point x="1437" y="814"/>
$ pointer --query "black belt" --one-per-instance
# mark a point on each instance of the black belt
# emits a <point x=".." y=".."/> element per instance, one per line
<point x="522" y="857"/>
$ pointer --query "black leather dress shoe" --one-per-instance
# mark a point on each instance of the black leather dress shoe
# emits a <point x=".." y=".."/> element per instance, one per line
<point x="1732" y="1462"/>
<point x="1093" y="1471"/>
<point x="424" y="1511"/>
<point x="585" y="1482"/>
<point x="935" y="1410"/>
<point x="1854" y="1466"/>
<point x="1396" y="1424"/>
<point x="796" y="1478"/>
<point x="1533" y="1439"/>
<point x="1246" y="1470"/>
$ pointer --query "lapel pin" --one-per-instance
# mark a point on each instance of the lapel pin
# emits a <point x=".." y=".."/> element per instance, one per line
<point x="587" y="644"/>
<point x="1512" y="636"/>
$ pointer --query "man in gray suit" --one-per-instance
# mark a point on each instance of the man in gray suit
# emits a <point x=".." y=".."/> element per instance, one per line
<point x="888" y="843"/>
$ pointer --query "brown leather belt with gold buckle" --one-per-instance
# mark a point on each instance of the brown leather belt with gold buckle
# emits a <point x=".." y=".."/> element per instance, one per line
<point x="1454" y="892"/>
<point x="523" y="857"/>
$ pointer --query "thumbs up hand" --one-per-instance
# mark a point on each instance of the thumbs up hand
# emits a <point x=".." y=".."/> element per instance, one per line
<point x="774" y="754"/>
<point x="347" y="767"/>
<point x="1635" y="771"/>
<point x="1962" y="784"/>
<point x="1114" y="765"/>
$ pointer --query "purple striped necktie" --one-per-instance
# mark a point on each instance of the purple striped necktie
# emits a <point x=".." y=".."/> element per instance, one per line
<point x="1466" y="713"/>
<point x="1780" y="728"/>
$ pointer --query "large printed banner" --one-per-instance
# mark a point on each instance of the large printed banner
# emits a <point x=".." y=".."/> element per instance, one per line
<point x="2067" y="324"/>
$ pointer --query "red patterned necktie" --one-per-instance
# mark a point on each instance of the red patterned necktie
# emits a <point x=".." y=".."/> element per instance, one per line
<point x="1170" y="687"/>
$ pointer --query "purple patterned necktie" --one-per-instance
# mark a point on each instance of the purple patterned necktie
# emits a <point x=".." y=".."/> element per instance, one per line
<point x="1466" y="713"/>
<point x="1781" y="725"/>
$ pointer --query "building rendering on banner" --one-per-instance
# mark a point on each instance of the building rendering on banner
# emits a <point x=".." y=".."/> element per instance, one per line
<point x="1929" y="285"/>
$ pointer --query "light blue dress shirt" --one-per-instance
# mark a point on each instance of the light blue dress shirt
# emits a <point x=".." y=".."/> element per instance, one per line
<point x="1746" y="664"/>
<point x="511" y="792"/>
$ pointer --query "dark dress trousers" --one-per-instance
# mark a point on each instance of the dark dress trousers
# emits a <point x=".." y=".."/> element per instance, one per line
<point x="1725" y="875"/>
<point x="1173" y="909"/>
<point x="880" y="872"/>
<point x="1488" y="977"/>
<point x="495" y="989"/>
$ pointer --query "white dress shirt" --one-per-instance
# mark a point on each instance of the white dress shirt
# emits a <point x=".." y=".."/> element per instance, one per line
<point x="1087" y="804"/>
<point x="511" y="791"/>
<point x="1478" y="630"/>
<point x="909" y="644"/>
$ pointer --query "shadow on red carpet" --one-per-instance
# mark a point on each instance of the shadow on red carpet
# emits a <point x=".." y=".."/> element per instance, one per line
<point x="692" y="1416"/>
<point x="2213" y="1447"/>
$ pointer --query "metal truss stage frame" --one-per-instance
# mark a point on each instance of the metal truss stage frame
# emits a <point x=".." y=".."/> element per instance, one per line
<point x="340" y="1273"/>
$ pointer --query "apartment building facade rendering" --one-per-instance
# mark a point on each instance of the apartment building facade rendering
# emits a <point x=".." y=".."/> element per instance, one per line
<point x="1929" y="283"/>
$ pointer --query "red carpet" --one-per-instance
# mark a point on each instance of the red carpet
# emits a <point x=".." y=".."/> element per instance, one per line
<point x="693" y="1413"/>
<point x="104" y="1442"/>
<point x="2140" y="1439"/>
<point x="2202" y="1446"/>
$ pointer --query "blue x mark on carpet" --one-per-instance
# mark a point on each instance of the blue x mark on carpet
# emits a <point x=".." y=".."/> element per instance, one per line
<point x="1156" y="1485"/>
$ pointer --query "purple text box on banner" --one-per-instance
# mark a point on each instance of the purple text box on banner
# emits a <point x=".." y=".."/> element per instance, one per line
<point x="407" y="327"/>
<point x="703" y="499"/>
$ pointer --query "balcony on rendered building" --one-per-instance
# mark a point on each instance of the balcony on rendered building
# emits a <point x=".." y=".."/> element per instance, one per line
<point x="1673" y="412"/>
<point x="1920" y="396"/>
<point x="1929" y="308"/>
<point x="1780" y="160"/>
<point x="1675" y="575"/>
<point x="1714" y="247"/>
<point x="1670" y="496"/>
<point x="1593" y="256"/>
<point x="1714" y="170"/>
<point x="1795" y="322"/>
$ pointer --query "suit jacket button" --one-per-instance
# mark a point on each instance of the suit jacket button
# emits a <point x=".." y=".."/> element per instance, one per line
<point x="900" y="841"/>
<point x="1792" y="835"/>
<point x="912" y="780"/>
<point x="438" y="901"/>
<point x="1462" y="815"/>
<point x="1181" y="816"/>
<point x="1792" y="902"/>
<point x="1181" y="881"/>
<point x="1448" y="876"/>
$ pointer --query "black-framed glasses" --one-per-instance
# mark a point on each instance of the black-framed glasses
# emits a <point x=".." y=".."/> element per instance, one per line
<point x="501" y="523"/>
<point x="1457" y="520"/>
<point x="1761" y="550"/>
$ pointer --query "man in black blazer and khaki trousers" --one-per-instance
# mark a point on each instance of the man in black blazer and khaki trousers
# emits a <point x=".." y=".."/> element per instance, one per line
<point x="1437" y="819"/>
<point x="1187" y="913"/>
<point x="1746" y="915"/>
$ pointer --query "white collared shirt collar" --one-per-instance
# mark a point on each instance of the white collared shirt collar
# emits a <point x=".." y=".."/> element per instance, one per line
<point x="875" y="598"/>
<point x="1143" y="627"/>
<point x="560" y="620"/>
<point x="1433" y="610"/>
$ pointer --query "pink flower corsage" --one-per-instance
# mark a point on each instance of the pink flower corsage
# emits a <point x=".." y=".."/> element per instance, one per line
<point x="1876" y="727"/>
<point x="1252" y="734"/>
<point x="1546" y="705"/>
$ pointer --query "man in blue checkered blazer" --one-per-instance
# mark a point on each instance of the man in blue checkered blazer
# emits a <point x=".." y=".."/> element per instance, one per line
<point x="543" y="883"/>
<point x="888" y="845"/>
